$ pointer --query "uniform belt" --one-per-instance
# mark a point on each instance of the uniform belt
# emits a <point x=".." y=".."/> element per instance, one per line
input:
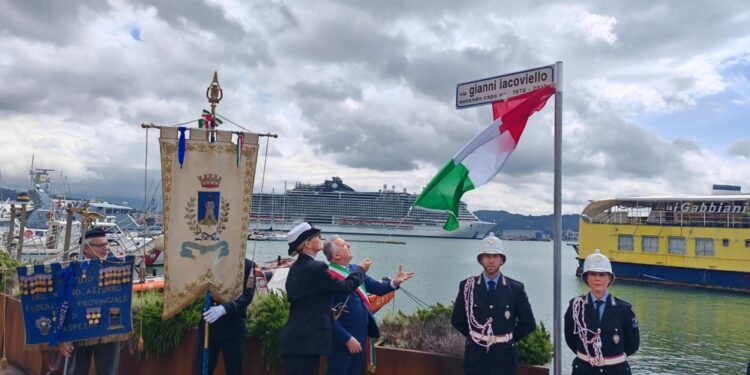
<point x="497" y="339"/>
<point x="608" y="361"/>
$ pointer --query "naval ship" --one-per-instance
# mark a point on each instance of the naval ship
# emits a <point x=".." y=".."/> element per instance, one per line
<point x="334" y="207"/>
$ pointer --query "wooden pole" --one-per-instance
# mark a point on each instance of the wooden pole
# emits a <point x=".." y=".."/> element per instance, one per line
<point x="68" y="230"/>
<point x="21" y="234"/>
<point x="12" y="226"/>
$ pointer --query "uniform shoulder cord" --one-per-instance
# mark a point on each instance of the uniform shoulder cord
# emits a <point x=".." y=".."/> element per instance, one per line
<point x="484" y="329"/>
<point x="580" y="329"/>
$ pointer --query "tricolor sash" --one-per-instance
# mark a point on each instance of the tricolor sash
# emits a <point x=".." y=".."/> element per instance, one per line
<point x="340" y="272"/>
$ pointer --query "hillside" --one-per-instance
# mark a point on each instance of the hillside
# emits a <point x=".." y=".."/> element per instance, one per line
<point x="507" y="220"/>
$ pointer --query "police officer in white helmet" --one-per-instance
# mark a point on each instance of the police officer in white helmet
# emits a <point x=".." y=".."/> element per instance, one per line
<point x="493" y="312"/>
<point x="600" y="329"/>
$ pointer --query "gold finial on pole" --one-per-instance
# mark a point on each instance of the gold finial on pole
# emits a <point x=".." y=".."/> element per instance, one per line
<point x="214" y="93"/>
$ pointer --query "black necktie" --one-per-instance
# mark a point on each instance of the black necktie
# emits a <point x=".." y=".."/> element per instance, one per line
<point x="491" y="286"/>
<point x="598" y="308"/>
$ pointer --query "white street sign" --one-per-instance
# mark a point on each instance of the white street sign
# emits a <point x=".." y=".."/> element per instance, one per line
<point x="488" y="90"/>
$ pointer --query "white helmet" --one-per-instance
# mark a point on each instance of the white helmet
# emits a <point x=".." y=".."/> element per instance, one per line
<point x="597" y="262"/>
<point x="491" y="245"/>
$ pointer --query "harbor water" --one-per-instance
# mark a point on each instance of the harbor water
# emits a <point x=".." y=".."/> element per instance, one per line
<point x="683" y="330"/>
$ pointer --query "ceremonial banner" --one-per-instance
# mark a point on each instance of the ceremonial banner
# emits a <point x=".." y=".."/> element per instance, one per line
<point x="85" y="301"/>
<point x="207" y="189"/>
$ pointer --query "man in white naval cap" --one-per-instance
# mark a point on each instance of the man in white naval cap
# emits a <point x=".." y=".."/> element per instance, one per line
<point x="600" y="329"/>
<point x="493" y="312"/>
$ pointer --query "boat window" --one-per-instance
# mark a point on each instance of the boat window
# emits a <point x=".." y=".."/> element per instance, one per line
<point x="625" y="242"/>
<point x="725" y="242"/>
<point x="650" y="244"/>
<point x="676" y="245"/>
<point x="747" y="244"/>
<point x="704" y="246"/>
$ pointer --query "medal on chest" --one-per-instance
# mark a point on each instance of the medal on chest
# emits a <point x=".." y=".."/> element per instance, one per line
<point x="616" y="337"/>
<point x="507" y="312"/>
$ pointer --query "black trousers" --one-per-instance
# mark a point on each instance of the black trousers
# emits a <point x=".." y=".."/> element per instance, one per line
<point x="301" y="364"/>
<point x="231" y="348"/>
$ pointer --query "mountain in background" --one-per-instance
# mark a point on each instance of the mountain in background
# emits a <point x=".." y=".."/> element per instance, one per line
<point x="507" y="220"/>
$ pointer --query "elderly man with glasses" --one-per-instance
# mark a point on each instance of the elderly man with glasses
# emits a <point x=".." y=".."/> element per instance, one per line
<point x="354" y="321"/>
<point x="106" y="355"/>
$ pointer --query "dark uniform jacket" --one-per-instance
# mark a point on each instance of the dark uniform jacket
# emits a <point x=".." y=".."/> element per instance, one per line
<point x="356" y="319"/>
<point x="509" y="296"/>
<point x="619" y="334"/>
<point x="233" y="324"/>
<point x="309" y="289"/>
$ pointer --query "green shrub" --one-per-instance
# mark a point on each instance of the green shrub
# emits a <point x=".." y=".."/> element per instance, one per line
<point x="7" y="271"/>
<point x="536" y="348"/>
<point x="430" y="330"/>
<point x="266" y="317"/>
<point x="161" y="336"/>
<point x="427" y="330"/>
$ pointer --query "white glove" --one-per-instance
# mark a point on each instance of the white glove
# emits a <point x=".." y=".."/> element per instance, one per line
<point x="214" y="313"/>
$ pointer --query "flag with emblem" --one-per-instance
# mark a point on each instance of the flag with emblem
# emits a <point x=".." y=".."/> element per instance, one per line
<point x="483" y="157"/>
<point x="207" y="195"/>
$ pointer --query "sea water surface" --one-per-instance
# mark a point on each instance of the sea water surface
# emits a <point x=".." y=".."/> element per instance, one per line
<point x="683" y="330"/>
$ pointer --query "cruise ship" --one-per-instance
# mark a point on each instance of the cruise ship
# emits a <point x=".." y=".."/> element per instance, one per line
<point x="334" y="207"/>
<point x="687" y="240"/>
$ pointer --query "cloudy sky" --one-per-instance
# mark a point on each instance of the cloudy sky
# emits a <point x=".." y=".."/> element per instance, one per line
<point x="656" y="95"/>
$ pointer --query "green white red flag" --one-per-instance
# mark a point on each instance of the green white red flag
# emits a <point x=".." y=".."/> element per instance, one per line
<point x="483" y="157"/>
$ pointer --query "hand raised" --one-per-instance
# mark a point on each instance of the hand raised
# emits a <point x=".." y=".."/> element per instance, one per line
<point x="402" y="276"/>
<point x="365" y="264"/>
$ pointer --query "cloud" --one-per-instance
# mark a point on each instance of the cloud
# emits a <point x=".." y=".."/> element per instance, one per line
<point x="740" y="148"/>
<point x="365" y="90"/>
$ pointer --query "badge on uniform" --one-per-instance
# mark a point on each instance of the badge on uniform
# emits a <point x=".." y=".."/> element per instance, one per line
<point x="250" y="281"/>
<point x="635" y="322"/>
<point x="507" y="312"/>
<point x="616" y="339"/>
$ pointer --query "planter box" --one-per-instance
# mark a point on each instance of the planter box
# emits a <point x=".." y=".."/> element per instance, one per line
<point x="414" y="362"/>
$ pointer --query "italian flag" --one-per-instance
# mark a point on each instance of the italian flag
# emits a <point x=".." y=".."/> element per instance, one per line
<point x="480" y="159"/>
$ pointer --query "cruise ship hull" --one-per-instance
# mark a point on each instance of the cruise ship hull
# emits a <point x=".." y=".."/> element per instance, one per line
<point x="466" y="230"/>
<point x="712" y="279"/>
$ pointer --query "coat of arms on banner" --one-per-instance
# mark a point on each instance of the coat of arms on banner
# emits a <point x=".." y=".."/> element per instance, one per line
<point x="207" y="184"/>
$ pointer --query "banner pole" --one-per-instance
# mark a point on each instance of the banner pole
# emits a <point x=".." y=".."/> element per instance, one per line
<point x="557" y="225"/>
<point x="206" y="306"/>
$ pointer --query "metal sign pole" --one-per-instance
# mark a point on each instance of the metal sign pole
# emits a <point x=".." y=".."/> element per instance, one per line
<point x="557" y="225"/>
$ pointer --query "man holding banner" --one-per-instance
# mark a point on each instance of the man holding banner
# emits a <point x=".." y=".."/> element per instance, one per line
<point x="106" y="354"/>
<point x="354" y="324"/>
<point x="307" y="334"/>
<point x="228" y="328"/>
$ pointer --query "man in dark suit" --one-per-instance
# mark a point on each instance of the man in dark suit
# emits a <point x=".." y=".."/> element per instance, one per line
<point x="602" y="330"/>
<point x="307" y="334"/>
<point x="354" y="321"/>
<point x="227" y="328"/>
<point x="493" y="312"/>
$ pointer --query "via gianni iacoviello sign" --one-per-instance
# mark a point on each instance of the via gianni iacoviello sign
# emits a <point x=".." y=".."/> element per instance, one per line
<point x="488" y="90"/>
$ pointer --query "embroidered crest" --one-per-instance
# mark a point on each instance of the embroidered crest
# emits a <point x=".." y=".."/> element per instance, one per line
<point x="635" y="322"/>
<point x="616" y="339"/>
<point x="43" y="325"/>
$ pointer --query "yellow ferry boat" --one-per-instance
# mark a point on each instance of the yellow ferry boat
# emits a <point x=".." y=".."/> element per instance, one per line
<point x="688" y="240"/>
